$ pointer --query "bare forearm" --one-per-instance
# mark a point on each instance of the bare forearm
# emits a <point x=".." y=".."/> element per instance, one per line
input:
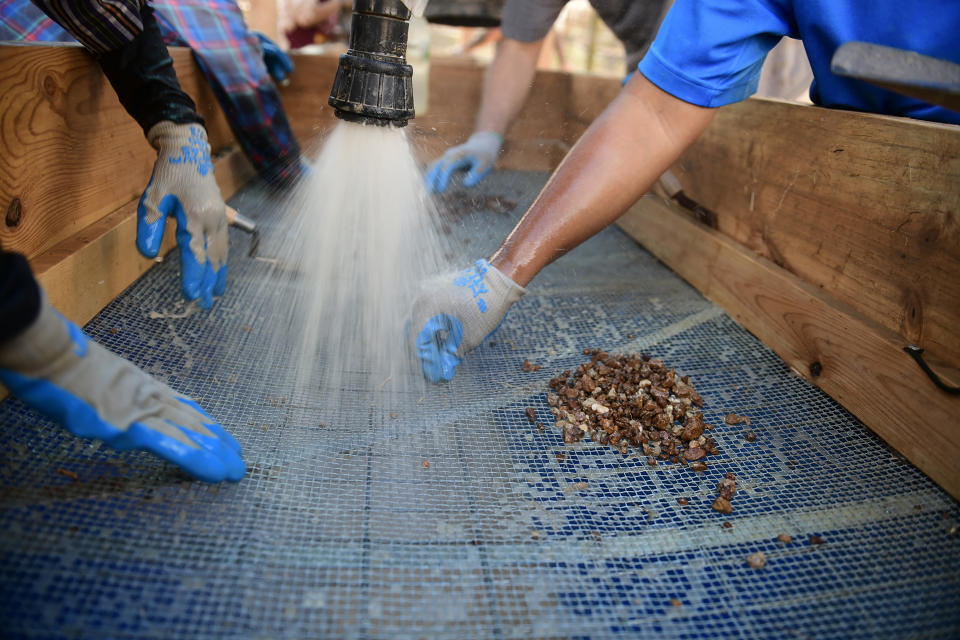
<point x="507" y="84"/>
<point x="616" y="161"/>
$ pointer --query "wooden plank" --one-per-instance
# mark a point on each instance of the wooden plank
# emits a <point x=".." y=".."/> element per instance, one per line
<point x="305" y="97"/>
<point x="855" y="360"/>
<point x="589" y="96"/>
<point x="865" y="207"/>
<point x="71" y="153"/>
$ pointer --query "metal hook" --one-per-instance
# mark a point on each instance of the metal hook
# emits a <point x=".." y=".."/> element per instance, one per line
<point x="917" y="354"/>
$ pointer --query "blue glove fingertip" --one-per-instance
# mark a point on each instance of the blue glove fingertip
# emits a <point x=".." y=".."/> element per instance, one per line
<point x="231" y="464"/>
<point x="150" y="235"/>
<point x="474" y="177"/>
<point x="213" y="426"/>
<point x="447" y="171"/>
<point x="437" y="345"/>
<point x="191" y="275"/>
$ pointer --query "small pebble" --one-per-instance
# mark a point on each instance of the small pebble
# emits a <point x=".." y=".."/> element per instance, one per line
<point x="750" y="436"/>
<point x="682" y="501"/>
<point x="529" y="367"/>
<point x="698" y="466"/>
<point x="652" y="462"/>
<point x="785" y="538"/>
<point x="694" y="454"/>
<point x="425" y="464"/>
<point x="531" y="415"/>
<point x="580" y="486"/>
<point x="727" y="525"/>
<point x="722" y="505"/>
<point x="816" y="540"/>
<point x="757" y="560"/>
<point x="675" y="602"/>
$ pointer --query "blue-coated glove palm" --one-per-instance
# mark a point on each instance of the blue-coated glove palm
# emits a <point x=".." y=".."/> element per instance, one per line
<point x="182" y="185"/>
<point x="276" y="59"/>
<point x="54" y="368"/>
<point x="476" y="156"/>
<point x="455" y="313"/>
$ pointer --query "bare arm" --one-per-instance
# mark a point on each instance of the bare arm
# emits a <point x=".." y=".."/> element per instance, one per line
<point x="507" y="84"/>
<point x="621" y="155"/>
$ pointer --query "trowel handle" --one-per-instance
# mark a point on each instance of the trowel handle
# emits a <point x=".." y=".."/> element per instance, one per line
<point x="240" y="222"/>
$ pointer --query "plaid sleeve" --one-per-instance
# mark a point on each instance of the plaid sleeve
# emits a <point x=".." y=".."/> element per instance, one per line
<point x="100" y="25"/>
<point x="230" y="57"/>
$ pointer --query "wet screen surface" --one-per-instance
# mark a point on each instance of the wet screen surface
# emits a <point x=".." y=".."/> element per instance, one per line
<point x="449" y="512"/>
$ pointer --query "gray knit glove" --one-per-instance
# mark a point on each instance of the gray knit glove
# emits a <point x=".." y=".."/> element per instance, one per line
<point x="182" y="185"/>
<point x="56" y="369"/>
<point x="455" y="313"/>
<point x="476" y="156"/>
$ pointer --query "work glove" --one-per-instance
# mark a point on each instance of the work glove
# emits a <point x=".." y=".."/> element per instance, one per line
<point x="54" y="367"/>
<point x="183" y="185"/>
<point x="476" y="156"/>
<point x="278" y="62"/>
<point x="455" y="313"/>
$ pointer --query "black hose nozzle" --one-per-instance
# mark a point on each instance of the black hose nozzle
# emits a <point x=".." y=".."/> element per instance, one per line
<point x="374" y="83"/>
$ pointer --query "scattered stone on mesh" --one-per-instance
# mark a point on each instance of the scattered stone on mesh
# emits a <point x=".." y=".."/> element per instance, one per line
<point x="632" y="400"/>
<point x="727" y="488"/>
<point x="733" y="419"/>
<point x="530" y="367"/>
<point x="757" y="560"/>
<point x="722" y="505"/>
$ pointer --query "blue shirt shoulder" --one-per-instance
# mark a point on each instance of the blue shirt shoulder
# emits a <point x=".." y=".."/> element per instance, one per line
<point x="710" y="52"/>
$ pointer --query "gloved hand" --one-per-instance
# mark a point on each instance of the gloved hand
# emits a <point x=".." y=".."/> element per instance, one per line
<point x="278" y="62"/>
<point x="183" y="185"/>
<point x="55" y="368"/>
<point x="455" y="313"/>
<point x="476" y="156"/>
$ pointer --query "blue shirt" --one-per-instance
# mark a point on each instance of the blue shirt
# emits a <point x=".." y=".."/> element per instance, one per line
<point x="709" y="52"/>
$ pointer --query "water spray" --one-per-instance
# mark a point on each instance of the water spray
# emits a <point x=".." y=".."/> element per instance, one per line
<point x="374" y="83"/>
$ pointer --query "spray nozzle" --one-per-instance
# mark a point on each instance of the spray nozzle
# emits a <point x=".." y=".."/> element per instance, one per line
<point x="374" y="83"/>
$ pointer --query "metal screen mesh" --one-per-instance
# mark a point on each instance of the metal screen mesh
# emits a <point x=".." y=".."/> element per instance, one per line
<point x="449" y="515"/>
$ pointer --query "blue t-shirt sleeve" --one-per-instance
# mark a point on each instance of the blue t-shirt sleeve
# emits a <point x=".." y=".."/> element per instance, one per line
<point x="710" y="52"/>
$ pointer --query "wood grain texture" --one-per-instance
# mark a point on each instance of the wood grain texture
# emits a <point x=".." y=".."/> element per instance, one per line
<point x="864" y="207"/>
<point x="305" y="98"/>
<point x="861" y="363"/>
<point x="71" y="153"/>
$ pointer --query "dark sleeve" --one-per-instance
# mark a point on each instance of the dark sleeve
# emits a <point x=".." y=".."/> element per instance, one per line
<point x="99" y="25"/>
<point x="142" y="74"/>
<point x="19" y="295"/>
